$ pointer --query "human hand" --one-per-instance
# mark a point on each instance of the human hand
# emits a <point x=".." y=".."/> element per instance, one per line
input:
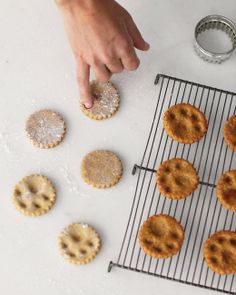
<point x="103" y="36"/>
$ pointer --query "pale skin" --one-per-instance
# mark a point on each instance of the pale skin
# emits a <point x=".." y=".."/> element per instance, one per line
<point x="103" y="37"/>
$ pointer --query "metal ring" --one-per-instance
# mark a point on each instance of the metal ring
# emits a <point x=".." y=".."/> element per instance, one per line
<point x="217" y="22"/>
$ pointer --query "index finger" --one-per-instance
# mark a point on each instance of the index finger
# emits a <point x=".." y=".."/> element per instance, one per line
<point x="83" y="73"/>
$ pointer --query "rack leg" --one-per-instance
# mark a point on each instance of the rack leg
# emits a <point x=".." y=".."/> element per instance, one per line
<point x="110" y="266"/>
<point x="157" y="79"/>
<point x="134" y="169"/>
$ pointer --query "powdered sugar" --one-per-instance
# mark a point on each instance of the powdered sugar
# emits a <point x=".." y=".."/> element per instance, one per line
<point x="45" y="127"/>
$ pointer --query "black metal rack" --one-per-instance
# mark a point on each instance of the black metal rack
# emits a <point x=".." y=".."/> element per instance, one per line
<point x="201" y="214"/>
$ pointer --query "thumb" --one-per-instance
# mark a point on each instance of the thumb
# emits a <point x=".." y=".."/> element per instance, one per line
<point x="136" y="36"/>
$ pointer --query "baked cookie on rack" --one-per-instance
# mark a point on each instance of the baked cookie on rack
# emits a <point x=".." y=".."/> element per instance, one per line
<point x="177" y="178"/>
<point x="106" y="101"/>
<point x="101" y="169"/>
<point x="34" y="195"/>
<point x="220" y="252"/>
<point x="230" y="132"/>
<point x="45" y="128"/>
<point x="226" y="190"/>
<point x="185" y="123"/>
<point x="161" y="236"/>
<point x="79" y="243"/>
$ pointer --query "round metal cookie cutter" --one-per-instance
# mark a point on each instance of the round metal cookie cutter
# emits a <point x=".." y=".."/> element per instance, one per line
<point x="215" y="22"/>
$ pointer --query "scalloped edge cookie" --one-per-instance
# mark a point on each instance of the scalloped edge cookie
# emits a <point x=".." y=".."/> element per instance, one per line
<point x="79" y="243"/>
<point x="53" y="134"/>
<point x="220" y="252"/>
<point x="101" y="169"/>
<point x="24" y="191"/>
<point x="161" y="236"/>
<point x="172" y="169"/>
<point x="191" y="123"/>
<point x="106" y="101"/>
<point x="226" y="188"/>
<point x="229" y="136"/>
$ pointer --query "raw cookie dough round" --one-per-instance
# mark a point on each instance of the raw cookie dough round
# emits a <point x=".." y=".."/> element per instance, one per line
<point x="226" y="190"/>
<point x="101" y="169"/>
<point x="79" y="243"/>
<point x="185" y="123"/>
<point x="45" y="128"/>
<point x="106" y="101"/>
<point x="34" y="195"/>
<point x="230" y="132"/>
<point x="161" y="236"/>
<point x="220" y="252"/>
<point x="177" y="178"/>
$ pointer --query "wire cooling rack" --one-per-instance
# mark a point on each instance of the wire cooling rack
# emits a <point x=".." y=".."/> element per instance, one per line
<point x="200" y="214"/>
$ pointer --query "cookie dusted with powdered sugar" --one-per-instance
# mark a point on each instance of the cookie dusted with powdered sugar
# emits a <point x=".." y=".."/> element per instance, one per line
<point x="101" y="169"/>
<point x="45" y="128"/>
<point x="106" y="101"/>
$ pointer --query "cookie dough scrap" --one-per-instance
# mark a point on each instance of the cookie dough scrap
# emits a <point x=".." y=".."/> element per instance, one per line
<point x="45" y="129"/>
<point x="106" y="101"/>
<point x="230" y="132"/>
<point x="101" y="169"/>
<point x="34" y="195"/>
<point x="161" y="236"/>
<point x="226" y="190"/>
<point x="177" y="178"/>
<point x="79" y="243"/>
<point x="185" y="123"/>
<point x="220" y="252"/>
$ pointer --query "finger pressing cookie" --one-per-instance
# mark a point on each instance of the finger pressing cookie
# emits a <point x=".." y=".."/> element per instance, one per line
<point x="79" y="243"/>
<point x="177" y="178"/>
<point x="101" y="169"/>
<point x="34" y="195"/>
<point x="45" y="129"/>
<point x="226" y="190"/>
<point x="161" y="236"/>
<point x="106" y="101"/>
<point x="220" y="252"/>
<point x="230" y="132"/>
<point x="185" y="123"/>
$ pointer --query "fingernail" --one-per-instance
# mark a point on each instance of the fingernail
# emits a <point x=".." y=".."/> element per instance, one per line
<point x="88" y="105"/>
<point x="147" y="45"/>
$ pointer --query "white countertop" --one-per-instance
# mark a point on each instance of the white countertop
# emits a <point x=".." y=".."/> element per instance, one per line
<point x="37" y="71"/>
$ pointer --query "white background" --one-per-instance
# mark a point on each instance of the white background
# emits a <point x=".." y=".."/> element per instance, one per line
<point x="37" y="71"/>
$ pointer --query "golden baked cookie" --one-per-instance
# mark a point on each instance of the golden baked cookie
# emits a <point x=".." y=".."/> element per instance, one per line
<point x="106" y="101"/>
<point x="230" y="132"/>
<point x="101" y="169"/>
<point x="45" y="129"/>
<point x="161" y="236"/>
<point x="177" y="178"/>
<point x="185" y="123"/>
<point x="34" y="195"/>
<point x="226" y="190"/>
<point x="220" y="252"/>
<point x="79" y="243"/>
